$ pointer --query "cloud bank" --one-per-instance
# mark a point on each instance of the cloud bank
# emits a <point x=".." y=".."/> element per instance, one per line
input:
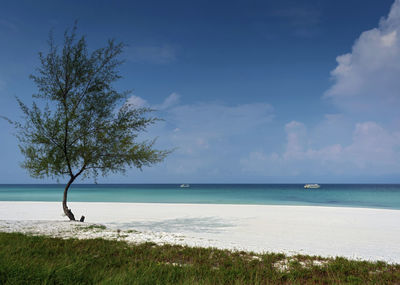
<point x="367" y="78"/>
<point x="373" y="151"/>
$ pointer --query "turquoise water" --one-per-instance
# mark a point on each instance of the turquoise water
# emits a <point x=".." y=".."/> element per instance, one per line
<point x="345" y="195"/>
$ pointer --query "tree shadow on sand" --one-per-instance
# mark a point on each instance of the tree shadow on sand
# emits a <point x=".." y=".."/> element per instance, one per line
<point x="197" y="225"/>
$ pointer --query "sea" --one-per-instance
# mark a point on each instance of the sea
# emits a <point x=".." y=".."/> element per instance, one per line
<point x="385" y="196"/>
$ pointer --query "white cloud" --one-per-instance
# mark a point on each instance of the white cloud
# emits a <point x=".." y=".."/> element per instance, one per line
<point x="367" y="79"/>
<point x="374" y="147"/>
<point x="209" y="136"/>
<point x="373" y="151"/>
<point x="136" y="101"/>
<point x="217" y="119"/>
<point x="296" y="138"/>
<point x="156" y="54"/>
<point x="171" y="100"/>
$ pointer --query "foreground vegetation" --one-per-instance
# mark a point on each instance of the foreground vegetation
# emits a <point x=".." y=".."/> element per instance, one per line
<point x="44" y="260"/>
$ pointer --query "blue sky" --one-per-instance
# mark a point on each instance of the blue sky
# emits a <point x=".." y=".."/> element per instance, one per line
<point x="251" y="91"/>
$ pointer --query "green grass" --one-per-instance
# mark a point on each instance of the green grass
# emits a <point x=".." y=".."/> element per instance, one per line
<point x="44" y="260"/>
<point x="92" y="227"/>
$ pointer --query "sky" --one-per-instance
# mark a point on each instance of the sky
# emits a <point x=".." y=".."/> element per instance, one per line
<point x="250" y="91"/>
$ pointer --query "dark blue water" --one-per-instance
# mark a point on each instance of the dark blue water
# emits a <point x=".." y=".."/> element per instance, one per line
<point x="346" y="195"/>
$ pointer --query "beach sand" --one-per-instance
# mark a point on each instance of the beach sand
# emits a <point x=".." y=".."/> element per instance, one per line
<point x="356" y="233"/>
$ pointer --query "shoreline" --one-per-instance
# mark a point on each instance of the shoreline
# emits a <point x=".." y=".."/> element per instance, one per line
<point x="356" y="233"/>
<point x="210" y="204"/>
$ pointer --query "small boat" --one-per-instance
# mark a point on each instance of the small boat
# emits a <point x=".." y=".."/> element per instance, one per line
<point x="312" y="186"/>
<point x="185" y="186"/>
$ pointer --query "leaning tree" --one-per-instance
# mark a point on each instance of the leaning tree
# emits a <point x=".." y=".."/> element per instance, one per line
<point x="83" y="126"/>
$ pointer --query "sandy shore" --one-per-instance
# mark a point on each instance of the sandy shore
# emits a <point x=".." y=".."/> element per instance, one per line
<point x="370" y="234"/>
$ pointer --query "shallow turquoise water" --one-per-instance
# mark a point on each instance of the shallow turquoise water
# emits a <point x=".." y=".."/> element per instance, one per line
<point x="346" y="195"/>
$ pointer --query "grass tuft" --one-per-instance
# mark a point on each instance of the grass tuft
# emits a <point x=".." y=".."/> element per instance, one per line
<point x="92" y="227"/>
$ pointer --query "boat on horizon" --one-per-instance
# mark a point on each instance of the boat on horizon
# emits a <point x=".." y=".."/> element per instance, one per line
<point x="185" y="186"/>
<point x="312" y="186"/>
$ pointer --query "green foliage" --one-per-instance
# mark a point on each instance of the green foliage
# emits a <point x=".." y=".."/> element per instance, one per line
<point x="82" y="129"/>
<point x="42" y="260"/>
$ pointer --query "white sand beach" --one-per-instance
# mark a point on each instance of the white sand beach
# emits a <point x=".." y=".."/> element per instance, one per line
<point x="357" y="233"/>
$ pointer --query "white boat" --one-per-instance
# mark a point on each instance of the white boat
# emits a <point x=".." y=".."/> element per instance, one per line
<point x="312" y="186"/>
<point x="185" y="186"/>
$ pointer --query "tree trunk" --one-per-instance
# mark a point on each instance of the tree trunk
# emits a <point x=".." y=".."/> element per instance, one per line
<point x="67" y="211"/>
